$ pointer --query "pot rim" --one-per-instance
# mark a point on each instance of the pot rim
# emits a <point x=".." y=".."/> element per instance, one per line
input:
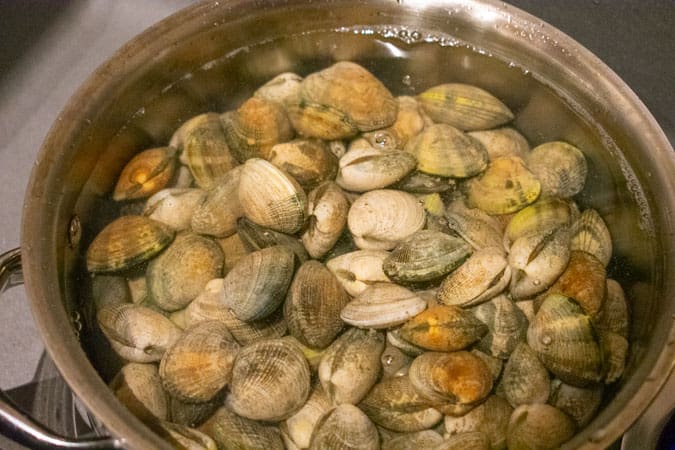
<point x="40" y="251"/>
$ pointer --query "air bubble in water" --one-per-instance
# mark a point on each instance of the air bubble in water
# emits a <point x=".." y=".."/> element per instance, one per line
<point x="406" y="80"/>
<point x="416" y="35"/>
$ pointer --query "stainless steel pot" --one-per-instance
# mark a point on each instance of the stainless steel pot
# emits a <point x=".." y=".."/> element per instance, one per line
<point x="212" y="55"/>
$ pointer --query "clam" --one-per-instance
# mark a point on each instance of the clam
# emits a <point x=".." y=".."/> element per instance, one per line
<point x="199" y="364"/>
<point x="147" y="173"/>
<point x="409" y="122"/>
<point x="542" y="216"/>
<point x="270" y="197"/>
<point x="425" y="256"/>
<point x="484" y="275"/>
<point x="393" y="360"/>
<point x="193" y="414"/>
<point x="174" y="207"/>
<point x="359" y="269"/>
<point x="256" y="286"/>
<point x="445" y="151"/>
<point x="506" y="186"/>
<point x="490" y="417"/>
<point x="283" y="88"/>
<point x="255" y="127"/>
<point x="474" y="226"/>
<point x="345" y="427"/>
<point x="494" y="364"/>
<point x="109" y="289"/>
<point x="422" y="183"/>
<point x="564" y="339"/>
<point x="254" y="237"/>
<point x="506" y="323"/>
<point x="230" y="430"/>
<point x="464" y="106"/>
<point x="327" y="209"/>
<point x="590" y="234"/>
<point x="351" y="365"/>
<point x="270" y="381"/>
<point x="138" y="288"/>
<point x="500" y="142"/>
<point x="217" y="215"/>
<point x="382" y="305"/>
<point x="615" y="351"/>
<point x="366" y="169"/>
<point x="474" y="440"/>
<point x="183" y="437"/>
<point x="126" y="242"/>
<point x="395" y="339"/>
<point x="137" y="333"/>
<point x="560" y="167"/>
<point x="538" y="426"/>
<point x="613" y="315"/>
<point x="308" y="161"/>
<point x="443" y="329"/>
<point x="180" y="273"/>
<point x="420" y="439"/>
<point x="300" y="425"/>
<point x="525" y="379"/>
<point x="313" y="355"/>
<point x="580" y="403"/>
<point x="139" y="388"/>
<point x="380" y="219"/>
<point x="234" y="249"/>
<point x="313" y="304"/>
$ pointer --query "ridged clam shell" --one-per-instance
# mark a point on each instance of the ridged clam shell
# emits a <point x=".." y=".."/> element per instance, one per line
<point x="506" y="186"/>
<point x="139" y="388"/>
<point x="315" y="120"/>
<point x="234" y="249"/>
<point x="359" y="269"/>
<point x="420" y="439"/>
<point x="502" y="142"/>
<point x="270" y="381"/>
<point x="506" y="323"/>
<point x="613" y="315"/>
<point x="425" y="256"/>
<point x="474" y="226"/>
<point x="313" y="304"/>
<point x="126" y="242"/>
<point x="380" y="219"/>
<point x="199" y="364"/>
<point x="525" y="379"/>
<point x="351" y="365"/>
<point x="174" y="207"/>
<point x="257" y="285"/>
<point x="615" y="351"/>
<point x="409" y="122"/>
<point x="560" y="167"/>
<point x="564" y="339"/>
<point x="327" y="208"/>
<point x="271" y="198"/>
<point x="382" y="305"/>
<point x="283" y="88"/>
<point x="580" y="404"/>
<point x="484" y="275"/>
<point x="184" y="437"/>
<point x="232" y="431"/>
<point x="145" y="174"/>
<point x="542" y="216"/>
<point x="180" y="273"/>
<point x="300" y="425"/>
<point x="366" y="169"/>
<point x="218" y="214"/>
<point x="490" y="417"/>
<point x="474" y="440"/>
<point x="443" y="329"/>
<point x="137" y="333"/>
<point x="446" y="151"/>
<point x="590" y="234"/>
<point x="254" y="237"/>
<point x="345" y="427"/>
<point x="464" y="106"/>
<point x="538" y="426"/>
<point x="308" y="161"/>
<point x="193" y="414"/>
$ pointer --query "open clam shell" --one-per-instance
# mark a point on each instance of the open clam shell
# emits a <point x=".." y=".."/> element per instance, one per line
<point x="476" y="227"/>
<point x="254" y="237"/>
<point x="182" y="436"/>
<point x="541" y="217"/>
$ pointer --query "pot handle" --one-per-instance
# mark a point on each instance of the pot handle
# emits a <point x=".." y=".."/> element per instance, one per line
<point x="15" y="424"/>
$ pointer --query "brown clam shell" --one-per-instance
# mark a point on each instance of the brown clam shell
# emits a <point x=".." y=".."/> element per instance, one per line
<point x="444" y="329"/>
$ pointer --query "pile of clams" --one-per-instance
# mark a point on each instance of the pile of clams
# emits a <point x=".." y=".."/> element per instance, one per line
<point x="332" y="267"/>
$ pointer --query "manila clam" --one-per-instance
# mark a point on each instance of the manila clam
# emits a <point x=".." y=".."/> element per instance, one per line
<point x="443" y="329"/>
<point x="366" y="169"/>
<point x="538" y="426"/>
<point x="300" y="425"/>
<point x="217" y="215"/>
<point x="525" y="379"/>
<point x="230" y="430"/>
<point x="382" y="305"/>
<point x="473" y="440"/>
<point x="560" y="167"/>
<point x="505" y="141"/>
<point x="590" y="234"/>
<point x="139" y="387"/>
<point x="490" y="417"/>
<point x="359" y="269"/>
<point x="506" y="323"/>
<point x="409" y="122"/>
<point x="283" y="89"/>
<point x="308" y="161"/>
<point x="327" y="208"/>
<point x="345" y="427"/>
<point x="174" y="207"/>
<point x="147" y="173"/>
<point x="580" y="403"/>
<point x="420" y="439"/>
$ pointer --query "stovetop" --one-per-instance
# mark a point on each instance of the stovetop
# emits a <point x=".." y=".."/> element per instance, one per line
<point x="49" y="48"/>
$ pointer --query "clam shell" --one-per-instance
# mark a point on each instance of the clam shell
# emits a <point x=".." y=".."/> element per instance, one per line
<point x="464" y="106"/>
<point x="254" y="237"/>
<point x="525" y="379"/>
<point x="271" y="198"/>
<point x="393" y="360"/>
<point x="560" y="167"/>
<point x="174" y="207"/>
<point x="359" y="269"/>
<point x="351" y="365"/>
<point x="300" y="425"/>
<point x="474" y="440"/>
<point x="126" y="242"/>
<point x="422" y="183"/>
<point x="193" y="414"/>
<point x="506" y="323"/>
<point x="495" y="364"/>
<point x="232" y="431"/>
<point x="425" y="256"/>
<point x="139" y="388"/>
<point x="308" y="161"/>
<point x="542" y="216"/>
<point x="394" y="338"/>
<point x="345" y="427"/>
<point x="283" y="88"/>
<point x="580" y="404"/>
<point x="315" y="120"/>
<point x="180" y="273"/>
<point x="313" y="355"/>
<point x="234" y="249"/>
<point x="564" y="340"/>
<point x="502" y="142"/>
<point x="409" y="122"/>
<point x="108" y="290"/>
<point x="270" y="381"/>
<point x="382" y="305"/>
<point x="613" y="315"/>
<point x="313" y="304"/>
<point x="590" y="234"/>
<point x="421" y="439"/>
<point x="145" y="174"/>
<point x="137" y="333"/>
<point x="327" y="209"/>
<point x="181" y="436"/>
<point x="490" y="417"/>
<point x="538" y="426"/>
<point x="506" y="186"/>
<point x="443" y="329"/>
<point x="366" y="169"/>
<point x="217" y="215"/>
<point x="380" y="219"/>
<point x="445" y="151"/>
<point x="615" y="351"/>
<point x="474" y="226"/>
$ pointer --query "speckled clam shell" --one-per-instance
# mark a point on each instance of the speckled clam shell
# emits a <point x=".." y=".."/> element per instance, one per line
<point x="283" y="88"/>
<point x="613" y="315"/>
<point x="254" y="237"/>
<point x="351" y="365"/>
<point x="200" y="363"/>
<point x="345" y="427"/>
<point x="476" y="227"/>
<point x="506" y="186"/>
<point x="590" y="234"/>
<point x="145" y="174"/>
<point x="500" y="142"/>
<point x="308" y="161"/>
<point x="446" y="151"/>
<point x="564" y="339"/>
<point x="420" y="439"/>
<point x="537" y="260"/>
<point x="359" y="269"/>
<point x="382" y="305"/>
<point x="137" y="333"/>
<point x="579" y="403"/>
<point x="560" y="167"/>
<point x="484" y="275"/>
<point x="464" y="106"/>
<point x="230" y="430"/>
<point x="270" y="381"/>
<point x="364" y="170"/>
<point x="542" y="216"/>
<point x="525" y="379"/>
<point x="425" y="256"/>
<point x="615" y="351"/>
<point x="181" y="436"/>
<point x="490" y="417"/>
<point x="139" y="388"/>
<point x="180" y="273"/>
<point x="257" y="285"/>
<point x="218" y="213"/>
<point x="271" y="198"/>
<point x="506" y="323"/>
<point x="380" y="219"/>
<point x="255" y="127"/>
<point x="300" y="425"/>
<point x="327" y="208"/>
<point x="538" y="426"/>
<point x="174" y="207"/>
<point x="126" y="242"/>
<point x="474" y="440"/>
<point x="313" y="305"/>
<point x="409" y="122"/>
<point x="443" y="329"/>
